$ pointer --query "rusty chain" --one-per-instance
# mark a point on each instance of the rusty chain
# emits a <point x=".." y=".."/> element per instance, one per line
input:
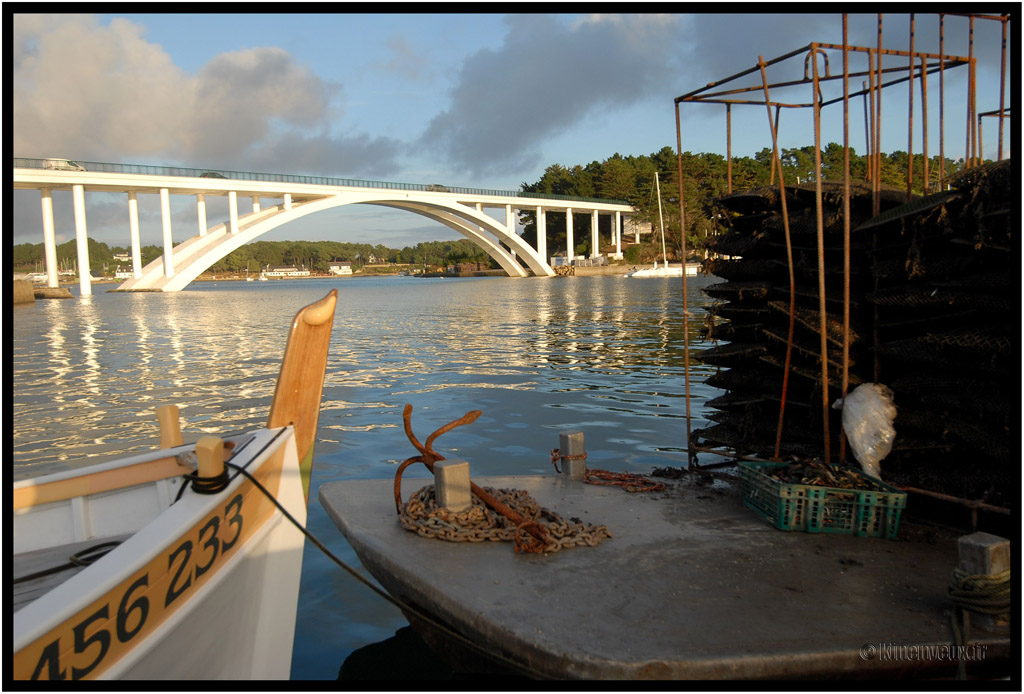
<point x="428" y="457"/>
<point x="627" y="480"/>
<point x="480" y="523"/>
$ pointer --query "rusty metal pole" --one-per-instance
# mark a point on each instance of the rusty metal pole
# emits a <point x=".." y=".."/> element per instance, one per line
<point x="846" y="226"/>
<point x="924" y="122"/>
<point x="819" y="218"/>
<point x="942" y="103"/>
<point x="981" y="140"/>
<point x="1002" y="91"/>
<point x="777" y="163"/>
<point x="867" y="134"/>
<point x="968" y="152"/>
<point x="775" y="129"/>
<point x="686" y="302"/>
<point x="878" y="121"/>
<point x="728" y="146"/>
<point x="910" y="114"/>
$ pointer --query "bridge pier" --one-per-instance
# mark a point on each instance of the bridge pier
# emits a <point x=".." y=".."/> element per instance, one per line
<point x="542" y="233"/>
<point x="595" y="249"/>
<point x="233" y="212"/>
<point x="133" y="227"/>
<point x="49" y="240"/>
<point x="617" y="234"/>
<point x="570" y="244"/>
<point x="82" y="240"/>
<point x="510" y="223"/>
<point x="165" y="218"/>
<point x="201" y="214"/>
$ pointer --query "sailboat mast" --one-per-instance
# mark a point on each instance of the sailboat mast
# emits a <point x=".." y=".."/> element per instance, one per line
<point x="661" y="220"/>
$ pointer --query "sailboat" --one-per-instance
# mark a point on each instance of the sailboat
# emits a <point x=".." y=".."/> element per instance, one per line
<point x="665" y="270"/>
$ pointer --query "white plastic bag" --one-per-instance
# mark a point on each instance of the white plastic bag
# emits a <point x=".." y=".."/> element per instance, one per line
<point x="868" y="413"/>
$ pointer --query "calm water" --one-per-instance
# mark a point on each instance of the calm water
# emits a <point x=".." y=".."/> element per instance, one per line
<point x="600" y="354"/>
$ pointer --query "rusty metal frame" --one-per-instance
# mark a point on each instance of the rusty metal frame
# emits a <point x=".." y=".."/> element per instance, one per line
<point x="918" y="66"/>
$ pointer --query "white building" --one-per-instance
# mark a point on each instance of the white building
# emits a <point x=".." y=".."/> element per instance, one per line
<point x="340" y="268"/>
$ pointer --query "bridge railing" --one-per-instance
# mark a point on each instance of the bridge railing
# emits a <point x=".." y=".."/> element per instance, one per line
<point x="146" y="170"/>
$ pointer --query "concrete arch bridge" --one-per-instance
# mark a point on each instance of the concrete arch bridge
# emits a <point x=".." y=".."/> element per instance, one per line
<point x="461" y="209"/>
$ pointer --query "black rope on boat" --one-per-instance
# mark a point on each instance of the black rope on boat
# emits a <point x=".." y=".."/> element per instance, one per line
<point x="394" y="601"/>
<point x="82" y="557"/>
<point x="208" y="485"/>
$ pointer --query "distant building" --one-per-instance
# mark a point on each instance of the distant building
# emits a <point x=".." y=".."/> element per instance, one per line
<point x="120" y="274"/>
<point x="123" y="257"/>
<point x="340" y="268"/>
<point x="637" y="228"/>
<point x="285" y="271"/>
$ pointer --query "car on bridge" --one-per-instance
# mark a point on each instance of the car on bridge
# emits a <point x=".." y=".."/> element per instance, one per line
<point x="62" y="165"/>
<point x="437" y="188"/>
<point x="211" y="174"/>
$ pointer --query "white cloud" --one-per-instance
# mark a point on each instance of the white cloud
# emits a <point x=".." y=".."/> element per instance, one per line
<point x="104" y="93"/>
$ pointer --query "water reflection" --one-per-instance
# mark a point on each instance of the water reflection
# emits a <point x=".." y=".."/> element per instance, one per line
<point x="599" y="354"/>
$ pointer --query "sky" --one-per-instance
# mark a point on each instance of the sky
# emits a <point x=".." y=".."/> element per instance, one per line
<point x="478" y="100"/>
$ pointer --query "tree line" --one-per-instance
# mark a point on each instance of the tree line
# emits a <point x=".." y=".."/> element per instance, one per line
<point x="705" y="178"/>
<point x="252" y="257"/>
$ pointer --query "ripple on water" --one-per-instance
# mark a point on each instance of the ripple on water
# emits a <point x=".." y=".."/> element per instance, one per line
<point x="600" y="354"/>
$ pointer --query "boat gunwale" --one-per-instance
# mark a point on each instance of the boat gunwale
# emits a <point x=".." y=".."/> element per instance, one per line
<point x="151" y="540"/>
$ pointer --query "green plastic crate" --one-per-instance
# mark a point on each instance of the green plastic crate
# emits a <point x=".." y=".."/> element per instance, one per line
<point x="815" y="509"/>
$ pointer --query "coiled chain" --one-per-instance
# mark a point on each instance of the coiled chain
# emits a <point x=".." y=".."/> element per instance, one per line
<point x="479" y="523"/>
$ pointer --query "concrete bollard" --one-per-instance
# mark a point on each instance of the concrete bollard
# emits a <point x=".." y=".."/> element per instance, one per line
<point x="451" y="485"/>
<point x="983" y="554"/>
<point x="570" y="443"/>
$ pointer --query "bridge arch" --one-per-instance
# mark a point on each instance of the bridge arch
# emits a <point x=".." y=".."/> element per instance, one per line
<point x="197" y="254"/>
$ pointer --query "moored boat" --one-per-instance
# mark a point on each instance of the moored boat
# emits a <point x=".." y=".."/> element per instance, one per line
<point x="179" y="563"/>
<point x="666" y="270"/>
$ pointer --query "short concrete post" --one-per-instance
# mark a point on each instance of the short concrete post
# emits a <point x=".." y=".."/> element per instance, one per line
<point x="570" y="443"/>
<point x="983" y="554"/>
<point x="451" y="485"/>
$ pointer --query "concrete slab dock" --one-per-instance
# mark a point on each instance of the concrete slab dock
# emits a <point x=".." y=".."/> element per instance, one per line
<point x="691" y="586"/>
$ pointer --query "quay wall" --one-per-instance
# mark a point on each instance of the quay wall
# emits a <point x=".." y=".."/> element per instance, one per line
<point x="23" y="292"/>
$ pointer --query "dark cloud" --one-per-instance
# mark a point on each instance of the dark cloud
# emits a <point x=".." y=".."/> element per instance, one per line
<point x="543" y="79"/>
<point x="297" y="152"/>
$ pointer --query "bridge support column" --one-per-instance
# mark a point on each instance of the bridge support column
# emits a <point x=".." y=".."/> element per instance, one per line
<point x="510" y="223"/>
<point x="82" y="240"/>
<point x="165" y="217"/>
<point x="49" y="240"/>
<point x="617" y="234"/>
<point x="233" y="212"/>
<point x="542" y="234"/>
<point x="595" y="239"/>
<point x="133" y="230"/>
<point x="201" y="213"/>
<point x="569" y="243"/>
<point x="287" y="201"/>
<point x="255" y="203"/>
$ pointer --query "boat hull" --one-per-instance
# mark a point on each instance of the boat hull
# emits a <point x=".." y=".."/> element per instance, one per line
<point x="206" y="589"/>
<point x="686" y="588"/>
<point x="669" y="271"/>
